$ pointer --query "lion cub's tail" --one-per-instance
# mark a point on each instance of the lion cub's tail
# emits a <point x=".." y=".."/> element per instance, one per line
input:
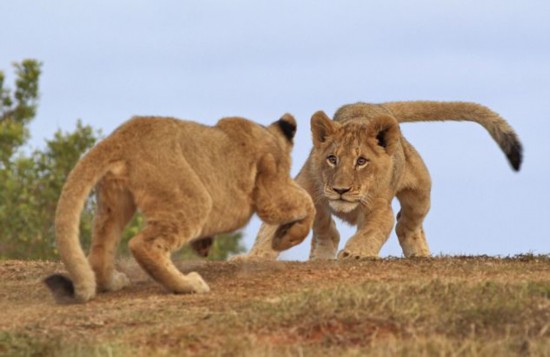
<point x="499" y="129"/>
<point x="84" y="176"/>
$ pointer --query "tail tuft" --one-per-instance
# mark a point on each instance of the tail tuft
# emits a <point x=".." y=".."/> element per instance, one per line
<point x="62" y="288"/>
<point x="513" y="150"/>
<point x="497" y="127"/>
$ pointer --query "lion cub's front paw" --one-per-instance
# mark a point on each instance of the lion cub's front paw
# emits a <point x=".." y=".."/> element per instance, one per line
<point x="322" y="256"/>
<point x="282" y="240"/>
<point x="253" y="258"/>
<point x="323" y="252"/>
<point x="288" y="235"/>
<point x="347" y="255"/>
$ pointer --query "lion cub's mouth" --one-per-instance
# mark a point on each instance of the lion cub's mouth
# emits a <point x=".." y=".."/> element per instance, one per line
<point x="340" y="205"/>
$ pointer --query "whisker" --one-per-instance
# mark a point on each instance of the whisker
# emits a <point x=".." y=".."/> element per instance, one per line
<point x="366" y="200"/>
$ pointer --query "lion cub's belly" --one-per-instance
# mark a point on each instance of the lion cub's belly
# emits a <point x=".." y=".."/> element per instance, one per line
<point x="227" y="218"/>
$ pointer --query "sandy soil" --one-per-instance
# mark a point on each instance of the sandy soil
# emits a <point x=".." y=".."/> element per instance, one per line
<point x="26" y="306"/>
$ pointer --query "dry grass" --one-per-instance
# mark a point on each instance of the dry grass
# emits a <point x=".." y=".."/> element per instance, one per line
<point x="447" y="306"/>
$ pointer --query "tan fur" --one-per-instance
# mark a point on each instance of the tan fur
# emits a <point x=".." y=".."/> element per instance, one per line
<point x="394" y="169"/>
<point x="191" y="182"/>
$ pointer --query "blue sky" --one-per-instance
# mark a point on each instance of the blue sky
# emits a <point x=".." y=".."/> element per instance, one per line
<point x="105" y="61"/>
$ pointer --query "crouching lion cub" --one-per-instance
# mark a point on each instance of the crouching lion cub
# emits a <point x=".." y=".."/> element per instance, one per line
<point x="190" y="182"/>
<point x="360" y="162"/>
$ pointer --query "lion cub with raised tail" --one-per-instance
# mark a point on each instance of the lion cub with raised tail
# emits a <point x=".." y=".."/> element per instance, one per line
<point x="360" y="162"/>
<point x="191" y="182"/>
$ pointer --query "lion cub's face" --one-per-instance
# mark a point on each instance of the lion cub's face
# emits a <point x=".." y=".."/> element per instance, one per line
<point x="352" y="158"/>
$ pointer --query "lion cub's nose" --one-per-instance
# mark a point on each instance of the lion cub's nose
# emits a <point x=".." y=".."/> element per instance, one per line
<point x="341" y="191"/>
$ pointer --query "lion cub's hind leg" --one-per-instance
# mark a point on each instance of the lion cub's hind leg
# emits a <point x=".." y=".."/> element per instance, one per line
<point x="415" y="205"/>
<point x="115" y="208"/>
<point x="174" y="216"/>
<point x="152" y="248"/>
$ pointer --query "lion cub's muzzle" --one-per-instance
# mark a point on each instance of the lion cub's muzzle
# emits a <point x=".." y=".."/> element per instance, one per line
<point x="338" y="193"/>
<point x="341" y="199"/>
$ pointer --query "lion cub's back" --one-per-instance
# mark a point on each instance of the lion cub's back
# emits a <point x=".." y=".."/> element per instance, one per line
<point x="213" y="153"/>
<point x="156" y="135"/>
<point x="158" y="128"/>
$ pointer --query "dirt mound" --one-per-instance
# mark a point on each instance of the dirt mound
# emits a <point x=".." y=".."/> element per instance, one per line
<point x="254" y="307"/>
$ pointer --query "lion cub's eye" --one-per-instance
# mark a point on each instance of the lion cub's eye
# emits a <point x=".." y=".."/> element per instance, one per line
<point x="331" y="159"/>
<point x="361" y="161"/>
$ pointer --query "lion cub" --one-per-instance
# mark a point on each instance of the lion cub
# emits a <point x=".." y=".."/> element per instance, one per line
<point x="360" y="162"/>
<point x="191" y="182"/>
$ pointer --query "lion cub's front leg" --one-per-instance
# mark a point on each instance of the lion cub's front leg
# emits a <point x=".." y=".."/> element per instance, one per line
<point x="372" y="233"/>
<point x="273" y="238"/>
<point x="324" y="243"/>
<point x="280" y="202"/>
<point x="262" y="248"/>
<point x="415" y="205"/>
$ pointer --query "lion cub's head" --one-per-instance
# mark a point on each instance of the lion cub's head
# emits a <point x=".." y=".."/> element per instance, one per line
<point x="353" y="158"/>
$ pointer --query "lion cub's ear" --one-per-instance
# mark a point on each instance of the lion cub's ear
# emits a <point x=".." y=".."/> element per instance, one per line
<point x="387" y="132"/>
<point x="286" y="125"/>
<point x="321" y="127"/>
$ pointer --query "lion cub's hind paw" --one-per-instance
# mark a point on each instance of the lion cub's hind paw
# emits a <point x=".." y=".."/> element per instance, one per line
<point x="194" y="284"/>
<point x="199" y="285"/>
